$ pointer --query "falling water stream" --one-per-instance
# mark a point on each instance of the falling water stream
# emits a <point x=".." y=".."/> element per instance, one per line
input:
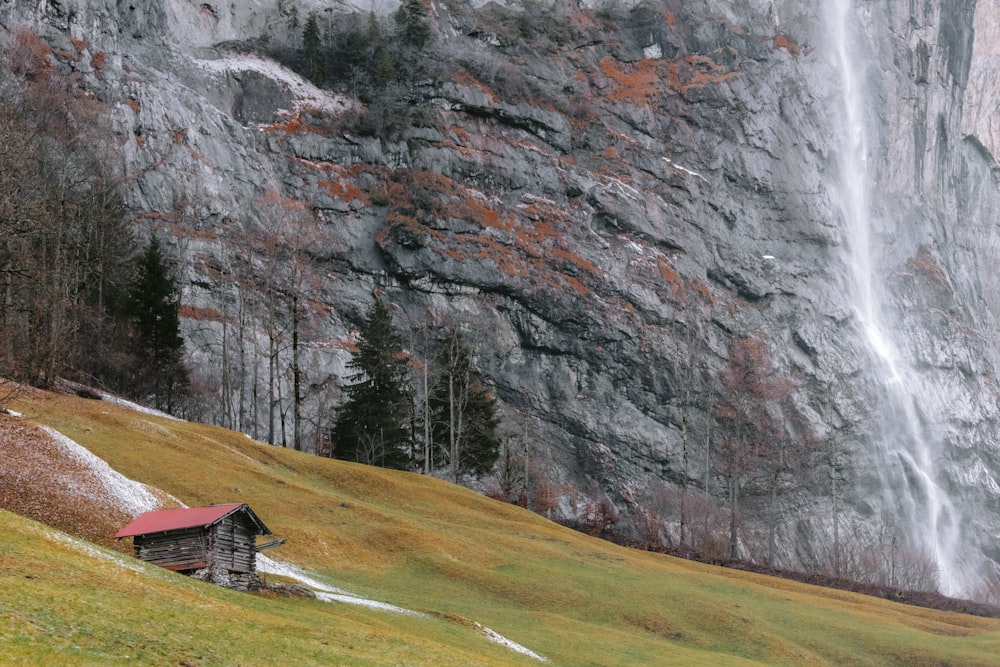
<point x="919" y="510"/>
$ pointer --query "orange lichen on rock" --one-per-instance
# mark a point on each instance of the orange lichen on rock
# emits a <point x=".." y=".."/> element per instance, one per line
<point x="336" y="180"/>
<point x="28" y="53"/>
<point x="295" y="124"/>
<point x="530" y="245"/>
<point x="637" y="83"/>
<point x="464" y="77"/>
<point x="781" y="41"/>
<point x="200" y="314"/>
<point x="696" y="71"/>
<point x="155" y="215"/>
<point x="671" y="279"/>
<point x="925" y="267"/>
<point x="644" y="81"/>
<point x="460" y="134"/>
<point x="344" y="190"/>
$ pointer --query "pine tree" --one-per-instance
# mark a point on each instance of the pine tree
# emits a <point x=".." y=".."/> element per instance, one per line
<point x="463" y="414"/>
<point x="372" y="425"/>
<point x="382" y="66"/>
<point x="155" y="306"/>
<point x="414" y="28"/>
<point x="311" y="44"/>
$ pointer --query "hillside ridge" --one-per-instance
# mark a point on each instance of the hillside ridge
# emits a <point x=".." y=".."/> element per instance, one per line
<point x="438" y="549"/>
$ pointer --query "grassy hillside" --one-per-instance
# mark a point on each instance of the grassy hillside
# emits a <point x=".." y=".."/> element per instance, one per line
<point x="423" y="545"/>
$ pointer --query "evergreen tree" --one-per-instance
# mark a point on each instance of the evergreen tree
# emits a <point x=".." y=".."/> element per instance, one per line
<point x="311" y="44"/>
<point x="463" y="414"/>
<point x="414" y="28"/>
<point x="372" y="425"/>
<point x="155" y="305"/>
<point x="381" y="65"/>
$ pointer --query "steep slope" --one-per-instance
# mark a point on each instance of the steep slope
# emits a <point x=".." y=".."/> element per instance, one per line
<point x="606" y="199"/>
<point x="66" y="601"/>
<point x="419" y="544"/>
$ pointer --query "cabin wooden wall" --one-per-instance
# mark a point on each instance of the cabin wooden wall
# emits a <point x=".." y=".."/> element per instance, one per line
<point x="227" y="546"/>
<point x="177" y="550"/>
<point x="234" y="541"/>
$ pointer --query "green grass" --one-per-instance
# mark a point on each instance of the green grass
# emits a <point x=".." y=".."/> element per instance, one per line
<point x="60" y="604"/>
<point x="420" y="544"/>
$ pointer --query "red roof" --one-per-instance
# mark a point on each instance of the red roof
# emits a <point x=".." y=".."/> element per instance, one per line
<point x="190" y="517"/>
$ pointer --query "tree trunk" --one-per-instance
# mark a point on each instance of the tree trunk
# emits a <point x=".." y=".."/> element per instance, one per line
<point x="771" y="521"/>
<point x="272" y="371"/>
<point x="427" y="420"/>
<point x="684" y="476"/>
<point x="734" y="543"/>
<point x="452" y="439"/>
<point x="836" y="522"/>
<point x="296" y="376"/>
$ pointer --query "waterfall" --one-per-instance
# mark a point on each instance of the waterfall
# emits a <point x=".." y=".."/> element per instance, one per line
<point x="918" y="510"/>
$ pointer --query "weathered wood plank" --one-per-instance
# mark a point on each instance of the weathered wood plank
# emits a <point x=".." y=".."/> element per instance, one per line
<point x="226" y="546"/>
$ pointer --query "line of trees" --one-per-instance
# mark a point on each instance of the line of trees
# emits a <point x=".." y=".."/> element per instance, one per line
<point x="454" y="429"/>
<point x="73" y="300"/>
<point x="757" y="444"/>
<point x="374" y="59"/>
<point x="258" y="330"/>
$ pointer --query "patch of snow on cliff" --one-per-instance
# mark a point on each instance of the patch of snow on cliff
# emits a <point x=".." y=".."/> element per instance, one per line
<point x="685" y="170"/>
<point x="306" y="94"/>
<point x="622" y="189"/>
<point x="130" y="496"/>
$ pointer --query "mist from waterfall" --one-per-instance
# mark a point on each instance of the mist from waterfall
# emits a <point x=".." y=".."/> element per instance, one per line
<point x="918" y="509"/>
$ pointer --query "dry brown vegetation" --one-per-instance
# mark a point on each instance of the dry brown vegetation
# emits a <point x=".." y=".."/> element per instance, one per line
<point x="41" y="481"/>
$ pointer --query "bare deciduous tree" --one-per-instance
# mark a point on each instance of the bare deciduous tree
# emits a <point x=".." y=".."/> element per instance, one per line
<point x="750" y="422"/>
<point x="287" y="230"/>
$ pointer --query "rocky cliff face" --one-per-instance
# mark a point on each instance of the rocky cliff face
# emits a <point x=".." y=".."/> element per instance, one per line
<point x="605" y="211"/>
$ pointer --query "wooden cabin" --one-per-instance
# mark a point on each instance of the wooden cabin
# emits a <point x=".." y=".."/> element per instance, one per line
<point x="218" y="542"/>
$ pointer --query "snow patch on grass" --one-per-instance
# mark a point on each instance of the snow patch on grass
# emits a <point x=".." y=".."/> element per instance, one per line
<point x="110" y="398"/>
<point x="271" y="566"/>
<point x="365" y="602"/>
<point x="130" y="496"/>
<point x="331" y="594"/>
<point x="98" y="553"/>
<point x="503" y="641"/>
<point x="325" y="592"/>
